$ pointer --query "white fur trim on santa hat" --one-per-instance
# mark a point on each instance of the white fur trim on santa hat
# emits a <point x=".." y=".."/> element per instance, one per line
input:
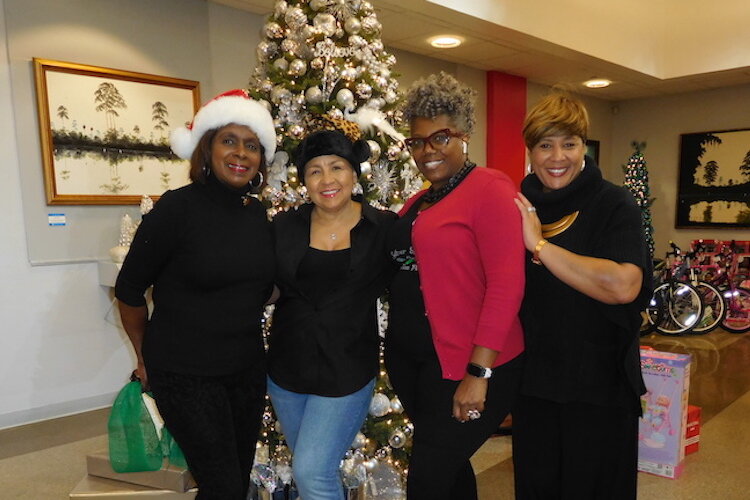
<point x="223" y="111"/>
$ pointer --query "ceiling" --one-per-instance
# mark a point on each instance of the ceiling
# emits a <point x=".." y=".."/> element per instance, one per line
<point x="489" y="46"/>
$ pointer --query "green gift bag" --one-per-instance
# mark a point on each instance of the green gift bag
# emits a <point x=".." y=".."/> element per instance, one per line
<point x="133" y="443"/>
<point x="172" y="450"/>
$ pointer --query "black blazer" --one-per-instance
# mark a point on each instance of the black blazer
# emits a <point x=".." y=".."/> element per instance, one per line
<point x="328" y="345"/>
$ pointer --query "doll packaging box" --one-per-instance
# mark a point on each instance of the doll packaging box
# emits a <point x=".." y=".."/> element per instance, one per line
<point x="662" y="429"/>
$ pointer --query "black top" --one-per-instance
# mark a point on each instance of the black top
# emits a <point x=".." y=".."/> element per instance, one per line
<point x="326" y="342"/>
<point x="577" y="348"/>
<point x="408" y="328"/>
<point x="210" y="261"/>
<point x="322" y="271"/>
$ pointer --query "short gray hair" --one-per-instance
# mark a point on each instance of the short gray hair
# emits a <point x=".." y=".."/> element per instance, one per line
<point x="441" y="94"/>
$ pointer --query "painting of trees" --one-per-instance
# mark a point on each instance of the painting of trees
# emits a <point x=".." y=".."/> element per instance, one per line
<point x="745" y="167"/>
<point x="159" y="115"/>
<point x="714" y="185"/>
<point x="62" y="113"/>
<point x="709" y="172"/>
<point x="108" y="99"/>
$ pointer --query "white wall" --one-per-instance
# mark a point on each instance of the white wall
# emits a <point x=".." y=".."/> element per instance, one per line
<point x="60" y="350"/>
<point x="659" y="121"/>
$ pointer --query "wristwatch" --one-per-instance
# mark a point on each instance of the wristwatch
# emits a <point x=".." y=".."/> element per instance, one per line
<point x="478" y="371"/>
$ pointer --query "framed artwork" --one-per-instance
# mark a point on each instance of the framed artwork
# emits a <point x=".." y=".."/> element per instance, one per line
<point x="592" y="149"/>
<point x="105" y="132"/>
<point x="714" y="182"/>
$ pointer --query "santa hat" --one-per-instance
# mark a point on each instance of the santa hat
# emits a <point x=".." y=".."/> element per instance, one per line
<point x="234" y="106"/>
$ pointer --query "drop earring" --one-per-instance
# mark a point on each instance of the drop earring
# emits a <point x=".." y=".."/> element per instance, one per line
<point x="465" y="147"/>
<point x="206" y="171"/>
<point x="529" y="170"/>
<point x="583" y="165"/>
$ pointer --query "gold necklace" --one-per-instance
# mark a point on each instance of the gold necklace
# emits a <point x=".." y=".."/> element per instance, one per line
<point x="557" y="227"/>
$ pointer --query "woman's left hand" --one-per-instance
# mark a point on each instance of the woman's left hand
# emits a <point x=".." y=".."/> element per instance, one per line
<point x="469" y="395"/>
<point x="532" y="226"/>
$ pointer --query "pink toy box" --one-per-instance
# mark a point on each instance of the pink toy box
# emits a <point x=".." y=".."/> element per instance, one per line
<point x="661" y="433"/>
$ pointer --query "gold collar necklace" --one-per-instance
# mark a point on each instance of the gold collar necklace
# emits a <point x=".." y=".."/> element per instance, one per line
<point x="557" y="227"/>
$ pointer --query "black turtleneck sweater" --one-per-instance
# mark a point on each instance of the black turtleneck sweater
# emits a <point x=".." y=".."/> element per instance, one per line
<point x="210" y="260"/>
<point x="579" y="349"/>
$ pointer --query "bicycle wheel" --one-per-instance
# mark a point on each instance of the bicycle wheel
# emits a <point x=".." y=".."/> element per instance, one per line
<point x="647" y="323"/>
<point x="737" y="319"/>
<point x="714" y="308"/>
<point x="675" y="308"/>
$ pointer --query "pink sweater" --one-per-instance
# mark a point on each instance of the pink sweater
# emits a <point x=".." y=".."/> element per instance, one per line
<point x="470" y="256"/>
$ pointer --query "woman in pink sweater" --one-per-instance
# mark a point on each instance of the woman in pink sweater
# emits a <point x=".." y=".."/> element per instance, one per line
<point x="454" y="344"/>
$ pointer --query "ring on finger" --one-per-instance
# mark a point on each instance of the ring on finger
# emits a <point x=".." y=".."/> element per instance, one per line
<point x="473" y="414"/>
<point x="531" y="209"/>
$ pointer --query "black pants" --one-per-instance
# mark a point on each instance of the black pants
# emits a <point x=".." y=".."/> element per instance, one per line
<point x="439" y="467"/>
<point x="574" y="451"/>
<point x="216" y="421"/>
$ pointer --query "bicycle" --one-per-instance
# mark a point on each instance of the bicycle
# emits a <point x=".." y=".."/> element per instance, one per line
<point x="736" y="298"/>
<point x="675" y="306"/>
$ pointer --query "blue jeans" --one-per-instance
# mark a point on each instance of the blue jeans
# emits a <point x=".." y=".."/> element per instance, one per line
<point x="319" y="430"/>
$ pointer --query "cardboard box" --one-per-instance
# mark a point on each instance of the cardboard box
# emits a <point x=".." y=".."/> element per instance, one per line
<point x="693" y="429"/>
<point x="92" y="487"/>
<point x="661" y="433"/>
<point x="168" y="477"/>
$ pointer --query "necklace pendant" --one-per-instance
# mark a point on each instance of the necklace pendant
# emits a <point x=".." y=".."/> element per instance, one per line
<point x="332" y="236"/>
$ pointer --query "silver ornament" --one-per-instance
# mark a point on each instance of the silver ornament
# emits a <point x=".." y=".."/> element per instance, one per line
<point x="366" y="8"/>
<point x="374" y="151"/>
<point x="289" y="45"/>
<point x="307" y="31"/>
<point x="280" y="8"/>
<point x="296" y="131"/>
<point x="317" y="63"/>
<point x="365" y="167"/>
<point x="357" y="41"/>
<point x="339" y="33"/>
<point x="345" y="97"/>
<point x="298" y="67"/>
<point x="379" y="405"/>
<point x="273" y="29"/>
<point x="335" y="113"/>
<point x="371" y="25"/>
<point x="281" y="64"/>
<point x="396" y="406"/>
<point x="317" y="5"/>
<point x="371" y="464"/>
<point x="390" y="96"/>
<point x="397" y="439"/>
<point x="266" y="86"/>
<point x="266" y="49"/>
<point x="393" y="152"/>
<point x="409" y="430"/>
<point x="280" y="94"/>
<point x="349" y="74"/>
<point x="364" y="91"/>
<point x="352" y="25"/>
<point x="359" y="441"/>
<point x="295" y="18"/>
<point x="326" y="23"/>
<point x="377" y="45"/>
<point x="314" y="95"/>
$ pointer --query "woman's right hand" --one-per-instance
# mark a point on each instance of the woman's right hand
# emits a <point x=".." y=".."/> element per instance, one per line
<point x="532" y="226"/>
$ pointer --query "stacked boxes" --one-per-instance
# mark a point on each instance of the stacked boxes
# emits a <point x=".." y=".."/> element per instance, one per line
<point x="661" y="436"/>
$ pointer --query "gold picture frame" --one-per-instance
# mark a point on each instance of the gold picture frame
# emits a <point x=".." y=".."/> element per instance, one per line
<point x="105" y="132"/>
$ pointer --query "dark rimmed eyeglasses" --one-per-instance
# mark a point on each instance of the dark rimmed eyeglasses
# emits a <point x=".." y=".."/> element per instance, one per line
<point x="437" y="140"/>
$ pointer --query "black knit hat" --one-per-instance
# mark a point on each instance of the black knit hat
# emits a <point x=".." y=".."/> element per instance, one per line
<point x="330" y="142"/>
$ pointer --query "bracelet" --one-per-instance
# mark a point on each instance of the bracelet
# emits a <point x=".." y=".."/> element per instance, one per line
<point x="537" y="248"/>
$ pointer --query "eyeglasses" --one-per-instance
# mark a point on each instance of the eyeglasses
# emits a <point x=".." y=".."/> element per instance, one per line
<point x="438" y="140"/>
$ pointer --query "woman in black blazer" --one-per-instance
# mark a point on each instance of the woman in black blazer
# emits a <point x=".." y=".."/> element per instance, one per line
<point x="332" y="266"/>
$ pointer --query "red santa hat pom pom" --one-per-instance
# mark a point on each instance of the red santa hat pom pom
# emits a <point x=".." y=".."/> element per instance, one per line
<point x="234" y="106"/>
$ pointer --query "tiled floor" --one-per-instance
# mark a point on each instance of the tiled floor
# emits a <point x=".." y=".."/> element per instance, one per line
<point x="45" y="461"/>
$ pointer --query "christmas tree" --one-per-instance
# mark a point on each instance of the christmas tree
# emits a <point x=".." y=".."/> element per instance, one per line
<point x="321" y="61"/>
<point x="636" y="181"/>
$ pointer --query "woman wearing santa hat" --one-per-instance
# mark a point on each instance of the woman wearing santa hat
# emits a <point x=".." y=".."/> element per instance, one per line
<point x="206" y="249"/>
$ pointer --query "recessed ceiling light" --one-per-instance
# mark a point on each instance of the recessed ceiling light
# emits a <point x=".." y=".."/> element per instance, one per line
<point x="445" y="41"/>
<point x="597" y="83"/>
